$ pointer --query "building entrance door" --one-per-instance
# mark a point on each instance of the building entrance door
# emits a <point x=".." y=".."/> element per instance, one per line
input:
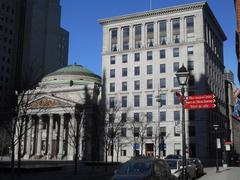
<point x="149" y="149"/>
<point x="54" y="148"/>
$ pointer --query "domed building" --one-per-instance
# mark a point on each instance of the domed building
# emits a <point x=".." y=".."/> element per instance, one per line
<point x="62" y="112"/>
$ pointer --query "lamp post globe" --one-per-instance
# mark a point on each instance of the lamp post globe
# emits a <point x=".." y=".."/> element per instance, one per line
<point x="182" y="76"/>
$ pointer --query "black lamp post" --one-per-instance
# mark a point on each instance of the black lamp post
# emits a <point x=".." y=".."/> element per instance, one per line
<point x="182" y="76"/>
<point x="216" y="127"/>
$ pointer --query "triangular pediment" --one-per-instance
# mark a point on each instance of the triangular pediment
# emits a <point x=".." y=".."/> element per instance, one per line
<point x="49" y="102"/>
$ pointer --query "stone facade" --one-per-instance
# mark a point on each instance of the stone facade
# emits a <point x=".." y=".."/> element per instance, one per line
<point x="143" y="51"/>
<point x="57" y="110"/>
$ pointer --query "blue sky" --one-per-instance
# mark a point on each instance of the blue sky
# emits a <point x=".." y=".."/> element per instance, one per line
<point x="80" y="17"/>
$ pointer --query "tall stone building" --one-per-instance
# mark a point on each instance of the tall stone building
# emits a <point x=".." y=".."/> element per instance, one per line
<point x="237" y="9"/>
<point x="141" y="53"/>
<point x="32" y="45"/>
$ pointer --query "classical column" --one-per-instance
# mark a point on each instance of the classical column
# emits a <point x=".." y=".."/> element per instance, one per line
<point x="131" y="36"/>
<point x="143" y="35"/>
<point x="60" y="152"/>
<point x="39" y="138"/>
<point x="71" y="136"/>
<point x="29" y="134"/>
<point x="50" y="136"/>
<point x="155" y="32"/>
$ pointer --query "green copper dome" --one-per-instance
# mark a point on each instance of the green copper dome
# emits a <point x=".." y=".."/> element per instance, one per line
<point x="74" y="70"/>
<point x="75" y="73"/>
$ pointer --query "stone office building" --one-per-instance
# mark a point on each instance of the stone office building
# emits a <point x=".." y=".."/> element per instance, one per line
<point x="141" y="53"/>
<point x="62" y="99"/>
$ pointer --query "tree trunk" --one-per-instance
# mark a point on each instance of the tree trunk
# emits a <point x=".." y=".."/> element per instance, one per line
<point x="77" y="145"/>
<point x="112" y="150"/>
<point x="106" y="151"/>
<point x="19" y="156"/>
<point x="12" y="160"/>
<point x="141" y="146"/>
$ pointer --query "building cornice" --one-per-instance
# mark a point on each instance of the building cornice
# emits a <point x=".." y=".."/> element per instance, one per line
<point x="162" y="11"/>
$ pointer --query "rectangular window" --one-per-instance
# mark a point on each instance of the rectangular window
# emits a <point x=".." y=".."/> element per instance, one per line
<point x="123" y="152"/>
<point x="112" y="60"/>
<point x="149" y="132"/>
<point x="149" y="99"/>
<point x="162" y="54"/>
<point x="175" y="66"/>
<point x="163" y="131"/>
<point x="123" y="132"/>
<point x="124" y="72"/>
<point x="138" y="34"/>
<point x="114" y="40"/>
<point x="149" y="84"/>
<point x="149" y="69"/>
<point x="124" y="58"/>
<point x="111" y="118"/>
<point x="136" y="70"/>
<point x="125" y="38"/>
<point x="176" y="99"/>
<point x="136" y="101"/>
<point x="124" y="101"/>
<point x="112" y="73"/>
<point x="149" y="55"/>
<point x="111" y="102"/>
<point x="124" y="86"/>
<point x="175" y="52"/>
<point x="190" y="50"/>
<point x="163" y="99"/>
<point x="136" y="131"/>
<point x="162" y="68"/>
<point x="163" y="32"/>
<point x="124" y="117"/>
<point x="190" y="24"/>
<point x="112" y="87"/>
<point x="149" y="116"/>
<point x="150" y="34"/>
<point x="137" y="57"/>
<point x="136" y="117"/>
<point x="163" y="116"/>
<point x="162" y="83"/>
<point x="176" y="115"/>
<point x="190" y="65"/>
<point x="176" y="30"/>
<point x="175" y="82"/>
<point x="137" y="85"/>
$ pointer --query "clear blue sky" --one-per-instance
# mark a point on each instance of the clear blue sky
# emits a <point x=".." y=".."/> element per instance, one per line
<point x="80" y="17"/>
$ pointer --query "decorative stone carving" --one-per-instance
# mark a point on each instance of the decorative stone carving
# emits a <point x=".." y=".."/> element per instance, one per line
<point x="47" y="103"/>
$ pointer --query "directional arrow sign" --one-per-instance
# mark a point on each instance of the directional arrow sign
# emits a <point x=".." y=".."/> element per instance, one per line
<point x="199" y="106"/>
<point x="203" y="101"/>
<point x="201" y="97"/>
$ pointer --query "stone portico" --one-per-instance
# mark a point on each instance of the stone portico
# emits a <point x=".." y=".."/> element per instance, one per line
<point x="53" y="114"/>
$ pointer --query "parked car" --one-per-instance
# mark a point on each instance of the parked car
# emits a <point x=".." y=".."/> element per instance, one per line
<point x="199" y="166"/>
<point x="144" y="169"/>
<point x="173" y="156"/>
<point x="176" y="169"/>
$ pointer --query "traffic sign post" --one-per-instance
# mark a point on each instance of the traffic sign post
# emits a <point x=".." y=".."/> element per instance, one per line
<point x="205" y="101"/>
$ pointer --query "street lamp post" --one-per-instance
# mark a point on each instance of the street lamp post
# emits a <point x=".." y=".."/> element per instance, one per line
<point x="182" y="77"/>
<point x="216" y="127"/>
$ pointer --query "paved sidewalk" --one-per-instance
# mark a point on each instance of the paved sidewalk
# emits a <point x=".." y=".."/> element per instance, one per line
<point x="229" y="173"/>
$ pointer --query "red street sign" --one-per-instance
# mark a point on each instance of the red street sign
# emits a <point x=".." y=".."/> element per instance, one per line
<point x="199" y="106"/>
<point x="201" y="97"/>
<point x="227" y="142"/>
<point x="203" y="101"/>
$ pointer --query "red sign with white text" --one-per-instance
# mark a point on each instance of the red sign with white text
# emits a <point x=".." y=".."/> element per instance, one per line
<point x="201" y="97"/>
<point x="203" y="101"/>
<point x="199" y="106"/>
